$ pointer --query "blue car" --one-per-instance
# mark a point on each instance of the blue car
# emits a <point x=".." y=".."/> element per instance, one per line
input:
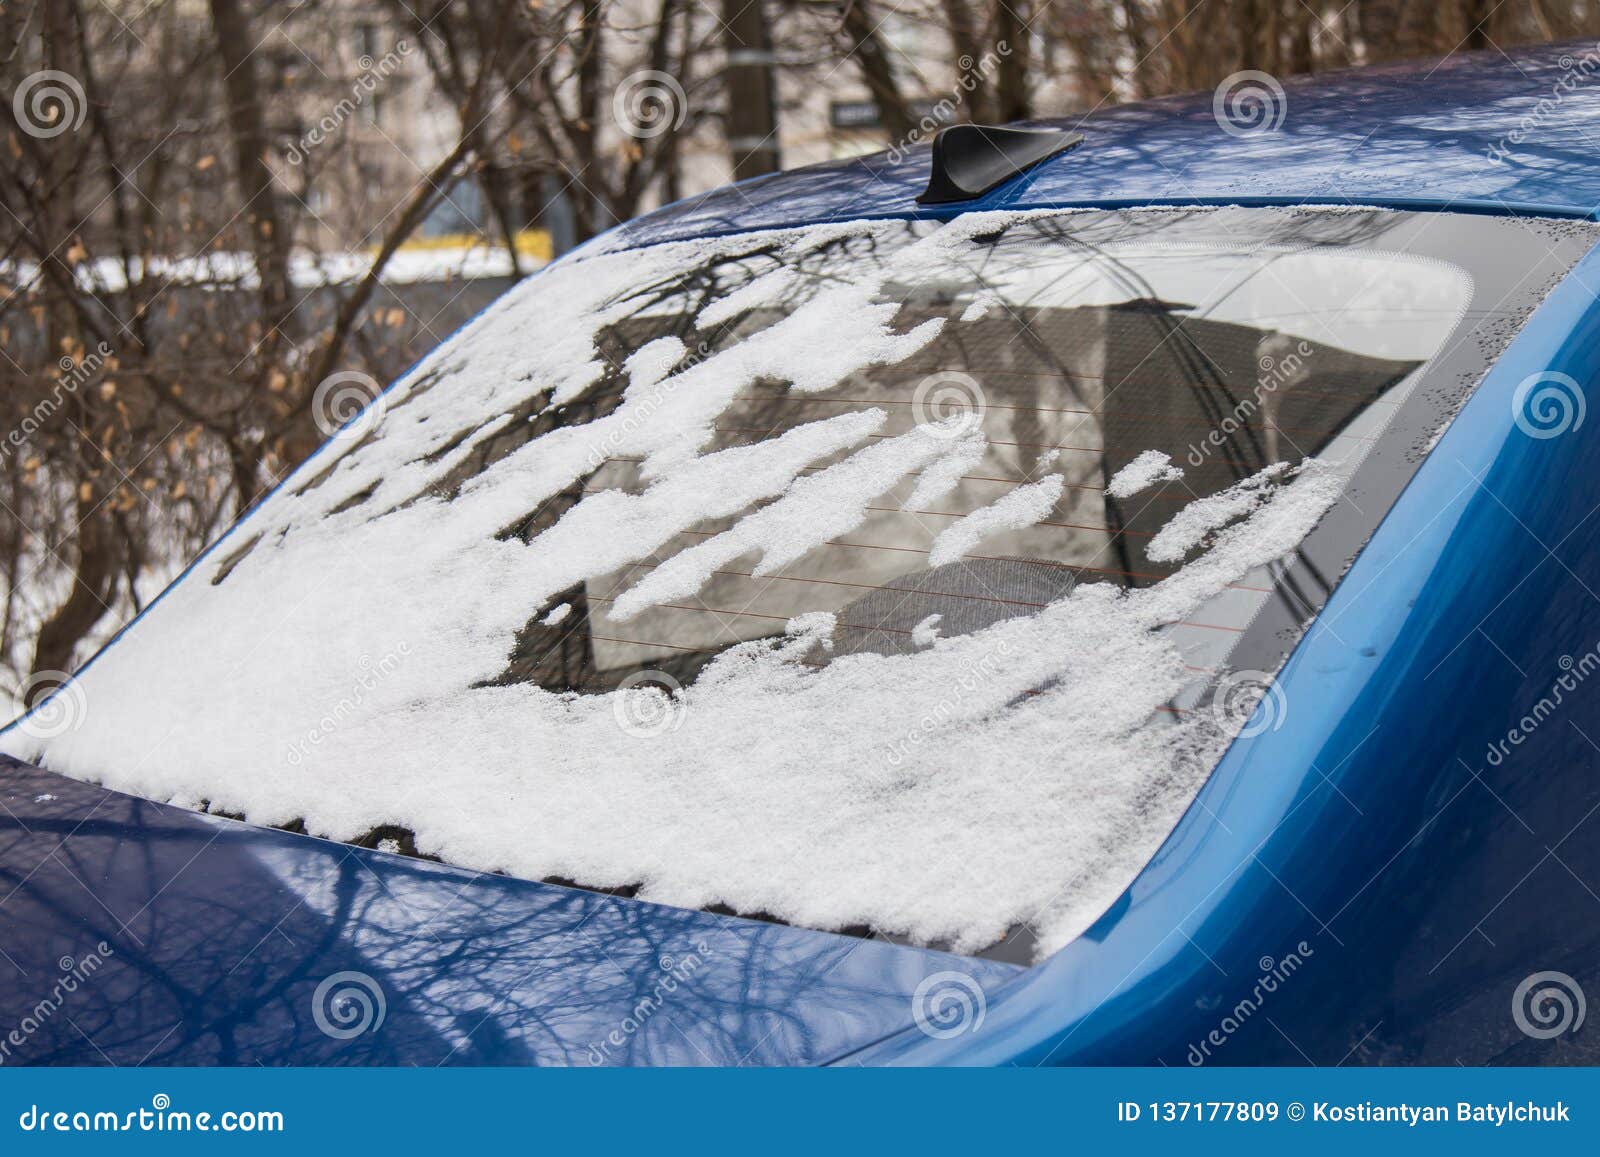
<point x="1121" y="591"/>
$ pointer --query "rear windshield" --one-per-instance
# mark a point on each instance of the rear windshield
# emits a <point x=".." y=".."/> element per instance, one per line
<point x="899" y="578"/>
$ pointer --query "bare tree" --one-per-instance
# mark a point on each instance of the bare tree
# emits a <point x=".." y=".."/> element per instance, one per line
<point x="163" y="356"/>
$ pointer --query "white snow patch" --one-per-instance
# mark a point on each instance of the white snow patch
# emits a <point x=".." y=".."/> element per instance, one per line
<point x="613" y="528"/>
<point x="1190" y="525"/>
<point x="1144" y="471"/>
<point x="1024" y="506"/>
<point x="944" y="473"/>
<point x="557" y="614"/>
<point x="762" y="291"/>
<point x="814" y="509"/>
<point x="983" y="302"/>
<point x="926" y="633"/>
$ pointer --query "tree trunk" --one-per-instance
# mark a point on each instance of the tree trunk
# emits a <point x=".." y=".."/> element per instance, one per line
<point x="752" y="120"/>
<point x="590" y="212"/>
<point x="94" y="583"/>
<point x="95" y="576"/>
<point x="1015" y="102"/>
<point x="877" y="71"/>
<point x="247" y="127"/>
<point x="965" y="41"/>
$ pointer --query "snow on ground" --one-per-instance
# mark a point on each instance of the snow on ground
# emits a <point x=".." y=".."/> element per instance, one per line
<point x="1022" y="772"/>
<point x="306" y="270"/>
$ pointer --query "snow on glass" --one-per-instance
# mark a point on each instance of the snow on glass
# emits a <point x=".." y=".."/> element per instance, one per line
<point x="1024" y="771"/>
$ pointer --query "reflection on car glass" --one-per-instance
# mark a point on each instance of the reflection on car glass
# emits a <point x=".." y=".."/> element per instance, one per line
<point x="896" y="577"/>
<point x="1045" y="383"/>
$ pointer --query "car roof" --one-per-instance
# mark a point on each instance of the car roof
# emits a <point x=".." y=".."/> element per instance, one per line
<point x="1494" y="131"/>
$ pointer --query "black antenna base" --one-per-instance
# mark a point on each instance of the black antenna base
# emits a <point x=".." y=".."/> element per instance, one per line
<point x="971" y="160"/>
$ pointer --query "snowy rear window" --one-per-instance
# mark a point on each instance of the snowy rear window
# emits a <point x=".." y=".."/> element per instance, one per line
<point x="891" y="577"/>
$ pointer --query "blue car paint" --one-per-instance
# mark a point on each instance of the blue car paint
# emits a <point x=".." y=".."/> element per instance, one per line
<point x="198" y="940"/>
<point x="1421" y="874"/>
<point x="1407" y="135"/>
<point x="1367" y="839"/>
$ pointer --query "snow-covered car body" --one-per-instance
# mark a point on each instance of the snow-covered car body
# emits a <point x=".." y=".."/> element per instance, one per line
<point x="1375" y="868"/>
